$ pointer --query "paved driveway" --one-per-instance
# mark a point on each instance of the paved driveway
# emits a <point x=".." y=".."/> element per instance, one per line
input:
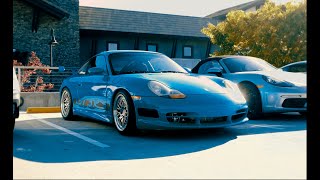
<point x="47" y="147"/>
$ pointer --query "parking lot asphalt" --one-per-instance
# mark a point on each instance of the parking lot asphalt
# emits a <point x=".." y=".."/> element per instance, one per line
<point x="47" y="147"/>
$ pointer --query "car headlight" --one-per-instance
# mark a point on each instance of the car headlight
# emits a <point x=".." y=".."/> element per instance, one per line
<point x="164" y="91"/>
<point x="234" y="91"/>
<point x="277" y="82"/>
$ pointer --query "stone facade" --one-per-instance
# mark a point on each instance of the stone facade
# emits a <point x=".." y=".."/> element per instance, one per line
<point x="66" y="31"/>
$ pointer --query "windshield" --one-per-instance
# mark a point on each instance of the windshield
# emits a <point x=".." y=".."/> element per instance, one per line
<point x="241" y="64"/>
<point x="142" y="62"/>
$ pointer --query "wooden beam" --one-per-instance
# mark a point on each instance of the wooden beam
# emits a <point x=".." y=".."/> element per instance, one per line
<point x="208" y="49"/>
<point x="174" y="48"/>
<point x="93" y="47"/>
<point x="35" y="19"/>
<point x="136" y="43"/>
<point x="49" y="8"/>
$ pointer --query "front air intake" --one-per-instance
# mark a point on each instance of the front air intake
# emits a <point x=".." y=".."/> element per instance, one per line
<point x="148" y="112"/>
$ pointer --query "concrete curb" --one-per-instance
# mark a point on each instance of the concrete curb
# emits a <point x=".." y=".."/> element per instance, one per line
<point x="43" y="109"/>
<point x="40" y="99"/>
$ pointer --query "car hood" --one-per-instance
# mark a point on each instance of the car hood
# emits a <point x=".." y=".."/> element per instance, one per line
<point x="185" y="83"/>
<point x="298" y="79"/>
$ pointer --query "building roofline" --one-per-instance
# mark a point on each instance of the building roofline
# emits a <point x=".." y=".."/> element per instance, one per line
<point x="49" y="8"/>
<point x="138" y="34"/>
<point x="243" y="6"/>
<point x="123" y="10"/>
<point x="106" y="19"/>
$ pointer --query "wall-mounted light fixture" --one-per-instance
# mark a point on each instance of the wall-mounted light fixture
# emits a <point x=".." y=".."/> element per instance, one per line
<point x="52" y="43"/>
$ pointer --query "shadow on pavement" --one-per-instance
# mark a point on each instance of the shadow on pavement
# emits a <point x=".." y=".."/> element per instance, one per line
<point x="45" y="144"/>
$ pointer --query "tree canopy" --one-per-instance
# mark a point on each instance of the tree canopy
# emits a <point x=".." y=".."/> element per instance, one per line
<point x="275" y="33"/>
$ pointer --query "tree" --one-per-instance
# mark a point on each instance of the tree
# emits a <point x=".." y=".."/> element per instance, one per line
<point x="38" y="84"/>
<point x="275" y="33"/>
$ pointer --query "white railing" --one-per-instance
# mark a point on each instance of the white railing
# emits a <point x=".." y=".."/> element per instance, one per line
<point x="40" y="79"/>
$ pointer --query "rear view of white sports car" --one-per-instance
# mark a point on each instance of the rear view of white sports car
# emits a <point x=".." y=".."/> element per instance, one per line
<point x="266" y="88"/>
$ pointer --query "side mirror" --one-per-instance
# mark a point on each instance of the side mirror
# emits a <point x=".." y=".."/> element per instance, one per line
<point x="95" y="70"/>
<point x="215" y="70"/>
<point x="187" y="69"/>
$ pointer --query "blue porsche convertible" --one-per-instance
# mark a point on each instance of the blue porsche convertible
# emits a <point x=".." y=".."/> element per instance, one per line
<point x="148" y="90"/>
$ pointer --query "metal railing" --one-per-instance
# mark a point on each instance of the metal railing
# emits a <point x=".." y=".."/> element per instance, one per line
<point x="39" y="79"/>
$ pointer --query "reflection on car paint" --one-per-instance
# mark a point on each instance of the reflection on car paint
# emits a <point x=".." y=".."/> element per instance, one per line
<point x="92" y="102"/>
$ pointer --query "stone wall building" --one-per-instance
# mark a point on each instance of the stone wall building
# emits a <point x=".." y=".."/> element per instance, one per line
<point x="32" y="24"/>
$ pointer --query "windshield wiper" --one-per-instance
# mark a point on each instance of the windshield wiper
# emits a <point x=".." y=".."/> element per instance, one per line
<point x="170" y="72"/>
<point x="133" y="72"/>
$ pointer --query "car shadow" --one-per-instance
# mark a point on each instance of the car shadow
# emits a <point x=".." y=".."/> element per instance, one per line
<point x="49" y="145"/>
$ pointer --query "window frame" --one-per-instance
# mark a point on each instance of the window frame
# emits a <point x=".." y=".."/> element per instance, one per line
<point x="223" y="71"/>
<point x="152" y="44"/>
<point x="191" y="49"/>
<point x="106" y="71"/>
<point x="84" y="68"/>
<point x="112" y="42"/>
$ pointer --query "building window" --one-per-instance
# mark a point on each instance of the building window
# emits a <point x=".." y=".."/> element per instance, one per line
<point x="112" y="46"/>
<point x="152" y="47"/>
<point x="187" y="51"/>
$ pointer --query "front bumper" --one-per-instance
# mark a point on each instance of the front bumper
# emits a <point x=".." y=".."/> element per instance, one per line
<point x="291" y="100"/>
<point x="193" y="112"/>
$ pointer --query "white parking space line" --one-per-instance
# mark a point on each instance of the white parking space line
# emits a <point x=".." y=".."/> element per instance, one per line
<point x="89" y="140"/>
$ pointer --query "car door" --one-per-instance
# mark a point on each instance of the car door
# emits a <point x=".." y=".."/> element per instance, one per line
<point x="92" y="88"/>
<point x="85" y="93"/>
<point x="75" y="84"/>
<point x="98" y="89"/>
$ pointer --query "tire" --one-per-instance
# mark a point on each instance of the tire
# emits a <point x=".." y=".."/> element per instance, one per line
<point x="66" y="105"/>
<point x="123" y="114"/>
<point x="252" y="95"/>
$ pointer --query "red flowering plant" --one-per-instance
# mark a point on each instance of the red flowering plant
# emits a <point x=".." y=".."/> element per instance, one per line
<point x="38" y="84"/>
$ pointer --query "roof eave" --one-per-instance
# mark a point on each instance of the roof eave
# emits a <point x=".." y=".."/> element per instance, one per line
<point x="49" y="8"/>
<point x="243" y="7"/>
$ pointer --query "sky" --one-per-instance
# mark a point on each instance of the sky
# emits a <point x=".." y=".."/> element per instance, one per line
<point x="198" y="8"/>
